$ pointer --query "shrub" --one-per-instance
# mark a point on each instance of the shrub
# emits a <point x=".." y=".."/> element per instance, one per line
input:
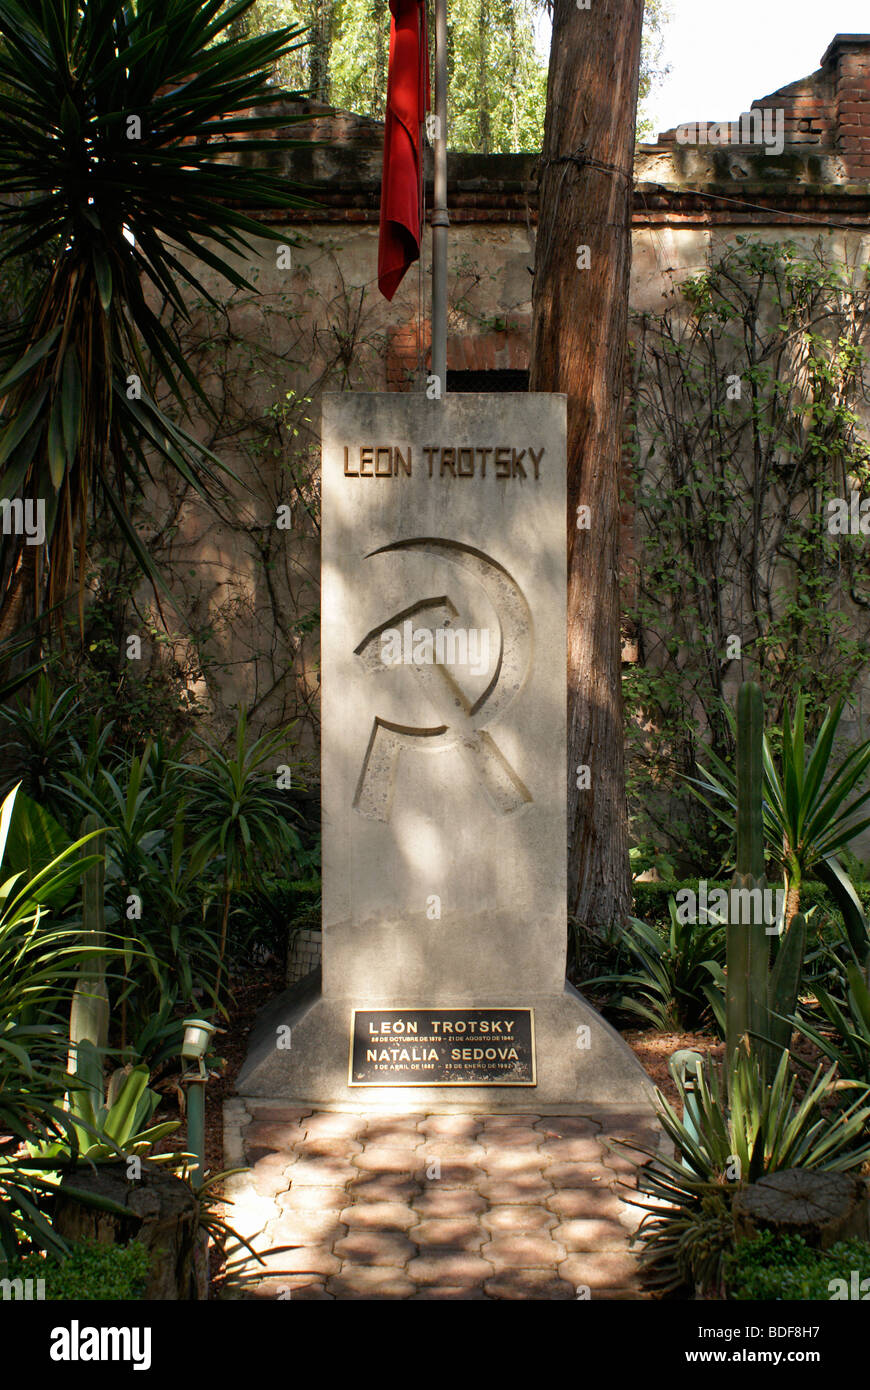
<point x="734" y="1130"/>
<point x="784" y="1267"/>
<point x="90" y="1272"/>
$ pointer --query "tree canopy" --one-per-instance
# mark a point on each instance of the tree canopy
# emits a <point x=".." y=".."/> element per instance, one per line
<point x="497" y="72"/>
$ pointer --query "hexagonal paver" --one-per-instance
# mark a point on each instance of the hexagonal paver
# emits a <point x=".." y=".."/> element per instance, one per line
<point x="567" y="1127"/>
<point x="510" y="1163"/>
<point x="449" y="1172"/>
<point x="590" y="1234"/>
<point x="370" y="1281"/>
<point x="305" y="1259"/>
<point x="578" y="1175"/>
<point x="390" y="1132"/>
<point x="458" y="1233"/>
<point x="439" y="1202"/>
<point x="373" y="1247"/>
<point x="572" y="1150"/>
<point x="441" y="1146"/>
<point x="520" y="1137"/>
<point x="525" y="1188"/>
<point x="529" y="1283"/>
<point x="381" y="1187"/>
<point x="296" y="1288"/>
<point x="441" y="1292"/>
<point x="454" y="1267"/>
<point x="504" y="1124"/>
<point x="334" y="1125"/>
<point x="307" y="1228"/>
<point x="595" y="1201"/>
<point x="328" y="1146"/>
<point x="600" y="1270"/>
<point x="438" y="1207"/>
<point x="381" y="1160"/>
<point x="312" y="1197"/>
<point x="516" y="1251"/>
<point x="321" y="1172"/>
<point x="384" y="1216"/>
<point x="272" y="1137"/>
<point x="518" y="1219"/>
<point x="450" y="1126"/>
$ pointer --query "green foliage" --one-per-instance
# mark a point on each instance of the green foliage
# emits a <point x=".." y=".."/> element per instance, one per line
<point x="735" y="1128"/>
<point x="101" y="1127"/>
<point x="35" y="839"/>
<point x="89" y="1272"/>
<point x="36" y="734"/>
<point x="670" y="982"/>
<point x="139" y="100"/>
<point x="840" y="1028"/>
<point x="730" y="495"/>
<point x="274" y="907"/>
<point x="242" y="819"/>
<point x="784" y="1267"/>
<point x="811" y="810"/>
<point x="496" y="73"/>
<point x="38" y="965"/>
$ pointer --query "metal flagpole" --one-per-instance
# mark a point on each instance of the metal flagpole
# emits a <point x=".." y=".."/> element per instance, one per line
<point x="440" y="219"/>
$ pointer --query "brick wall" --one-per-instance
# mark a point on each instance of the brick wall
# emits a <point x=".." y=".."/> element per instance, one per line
<point x="848" y="59"/>
<point x="829" y="109"/>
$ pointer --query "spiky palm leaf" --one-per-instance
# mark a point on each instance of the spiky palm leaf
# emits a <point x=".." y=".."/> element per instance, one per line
<point x="811" y="811"/>
<point x="116" y="123"/>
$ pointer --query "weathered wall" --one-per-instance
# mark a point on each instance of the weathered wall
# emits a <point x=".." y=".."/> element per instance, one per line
<point x="319" y="321"/>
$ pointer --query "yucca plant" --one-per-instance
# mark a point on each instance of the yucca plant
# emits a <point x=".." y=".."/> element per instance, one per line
<point x="130" y="149"/>
<point x="811" y="810"/>
<point x="242" y="819"/>
<point x="740" y="1130"/>
<point x="36" y="739"/>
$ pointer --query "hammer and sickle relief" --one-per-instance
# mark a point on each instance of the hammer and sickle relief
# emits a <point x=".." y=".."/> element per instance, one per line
<point x="461" y="723"/>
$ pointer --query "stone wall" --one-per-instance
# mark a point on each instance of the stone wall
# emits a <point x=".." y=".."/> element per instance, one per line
<point x="320" y="322"/>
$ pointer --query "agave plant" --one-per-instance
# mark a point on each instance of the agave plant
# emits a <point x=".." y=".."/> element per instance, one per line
<point x="811" y="810"/>
<point x="671" y="988"/>
<point x="102" y="1128"/>
<point x="128" y="153"/>
<point x="739" y="1130"/>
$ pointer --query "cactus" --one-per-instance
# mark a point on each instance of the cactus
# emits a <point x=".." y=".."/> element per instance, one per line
<point x="757" y="1001"/>
<point x="89" y="1013"/>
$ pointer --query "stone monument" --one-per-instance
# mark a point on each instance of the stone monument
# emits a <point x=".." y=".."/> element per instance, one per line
<point x="443" y="773"/>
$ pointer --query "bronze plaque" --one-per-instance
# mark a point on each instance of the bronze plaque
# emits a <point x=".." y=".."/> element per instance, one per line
<point x="487" y="1046"/>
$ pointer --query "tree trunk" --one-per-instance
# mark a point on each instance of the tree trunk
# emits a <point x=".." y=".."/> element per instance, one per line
<point x="821" y="1207"/>
<point x="162" y="1214"/>
<point x="578" y="347"/>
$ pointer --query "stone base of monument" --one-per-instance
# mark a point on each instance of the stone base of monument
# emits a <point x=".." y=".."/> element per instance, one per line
<point x="300" y="1051"/>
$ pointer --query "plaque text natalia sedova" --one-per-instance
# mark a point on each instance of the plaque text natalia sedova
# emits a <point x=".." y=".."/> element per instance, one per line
<point x="485" y="1046"/>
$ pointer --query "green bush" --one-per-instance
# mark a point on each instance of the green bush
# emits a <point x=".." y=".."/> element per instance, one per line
<point x="90" y="1271"/>
<point x="786" y="1268"/>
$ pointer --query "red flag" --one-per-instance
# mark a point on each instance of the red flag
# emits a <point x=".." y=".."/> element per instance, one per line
<point x="407" y="102"/>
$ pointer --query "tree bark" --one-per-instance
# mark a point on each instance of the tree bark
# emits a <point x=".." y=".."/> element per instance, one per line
<point x="578" y="347"/>
<point x="163" y="1215"/>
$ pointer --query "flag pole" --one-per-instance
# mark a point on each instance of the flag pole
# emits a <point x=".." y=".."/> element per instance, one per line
<point x="440" y="219"/>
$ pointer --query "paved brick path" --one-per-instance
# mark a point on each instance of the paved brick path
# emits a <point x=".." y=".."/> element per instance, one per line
<point x="432" y="1206"/>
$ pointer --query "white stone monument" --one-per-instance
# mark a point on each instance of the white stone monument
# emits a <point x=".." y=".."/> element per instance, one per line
<point x="444" y="774"/>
